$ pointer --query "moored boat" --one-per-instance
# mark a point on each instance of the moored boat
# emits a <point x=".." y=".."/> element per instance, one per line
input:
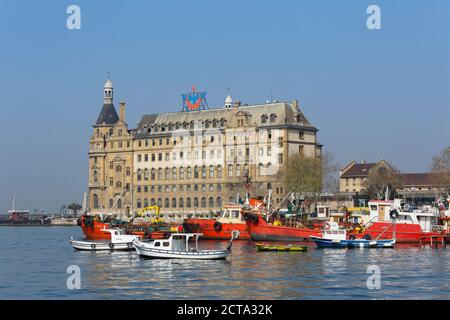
<point x="280" y="247"/>
<point x="119" y="241"/>
<point x="177" y="247"/>
<point x="231" y="218"/>
<point x="335" y="237"/>
<point x="411" y="226"/>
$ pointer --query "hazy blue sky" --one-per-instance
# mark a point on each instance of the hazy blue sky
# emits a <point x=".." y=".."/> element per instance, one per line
<point x="373" y="94"/>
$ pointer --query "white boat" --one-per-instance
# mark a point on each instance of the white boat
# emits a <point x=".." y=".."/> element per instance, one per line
<point x="119" y="241"/>
<point x="177" y="247"/>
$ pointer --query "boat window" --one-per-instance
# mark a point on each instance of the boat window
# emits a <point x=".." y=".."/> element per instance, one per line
<point x="166" y="244"/>
<point x="373" y="208"/>
<point x="235" y="214"/>
<point x="157" y="244"/>
<point x="226" y="214"/>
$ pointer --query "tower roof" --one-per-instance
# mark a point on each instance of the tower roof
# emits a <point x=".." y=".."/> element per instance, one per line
<point x="108" y="115"/>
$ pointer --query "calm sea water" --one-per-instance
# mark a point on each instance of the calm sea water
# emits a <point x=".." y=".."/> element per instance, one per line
<point x="33" y="263"/>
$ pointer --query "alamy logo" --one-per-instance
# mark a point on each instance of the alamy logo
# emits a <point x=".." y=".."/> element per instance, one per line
<point x="374" y="20"/>
<point x="73" y="21"/>
<point x="74" y="280"/>
<point x="374" y="280"/>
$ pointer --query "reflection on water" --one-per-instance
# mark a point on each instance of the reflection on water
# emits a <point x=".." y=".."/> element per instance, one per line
<point x="34" y="262"/>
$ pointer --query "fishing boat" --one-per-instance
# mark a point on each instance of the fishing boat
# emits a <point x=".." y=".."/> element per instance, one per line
<point x="280" y="247"/>
<point x="177" y="247"/>
<point x="119" y="241"/>
<point x="231" y="218"/>
<point x="335" y="237"/>
<point x="411" y="225"/>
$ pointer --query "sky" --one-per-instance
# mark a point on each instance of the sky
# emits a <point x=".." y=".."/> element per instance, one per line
<point x="373" y="94"/>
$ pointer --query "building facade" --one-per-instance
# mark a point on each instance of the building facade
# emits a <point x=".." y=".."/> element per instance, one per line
<point x="193" y="162"/>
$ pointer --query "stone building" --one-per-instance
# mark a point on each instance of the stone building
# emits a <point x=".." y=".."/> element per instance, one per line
<point x="194" y="161"/>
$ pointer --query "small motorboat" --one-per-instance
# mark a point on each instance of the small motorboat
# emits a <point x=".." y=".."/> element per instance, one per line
<point x="119" y="241"/>
<point x="281" y="248"/>
<point x="334" y="237"/>
<point x="177" y="247"/>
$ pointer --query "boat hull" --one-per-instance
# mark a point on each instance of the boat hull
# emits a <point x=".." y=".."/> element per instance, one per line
<point x="152" y="253"/>
<point x="101" y="246"/>
<point x="280" y="248"/>
<point x="206" y="226"/>
<point x="404" y="232"/>
<point x="260" y="230"/>
<point x="357" y="243"/>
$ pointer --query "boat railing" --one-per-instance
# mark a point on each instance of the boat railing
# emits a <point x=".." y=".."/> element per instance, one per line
<point x="437" y="228"/>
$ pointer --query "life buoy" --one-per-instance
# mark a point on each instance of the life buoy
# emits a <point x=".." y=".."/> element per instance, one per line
<point x="393" y="214"/>
<point x="217" y="226"/>
<point x="111" y="245"/>
<point x="93" y="246"/>
<point x="130" y="245"/>
<point x="326" y="226"/>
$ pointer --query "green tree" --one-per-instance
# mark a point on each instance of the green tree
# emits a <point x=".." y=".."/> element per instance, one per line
<point x="379" y="180"/>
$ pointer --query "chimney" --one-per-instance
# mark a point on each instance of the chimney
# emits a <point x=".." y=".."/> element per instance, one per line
<point x="237" y="104"/>
<point x="122" y="111"/>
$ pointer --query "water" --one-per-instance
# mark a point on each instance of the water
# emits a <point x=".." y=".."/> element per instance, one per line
<point x="34" y="261"/>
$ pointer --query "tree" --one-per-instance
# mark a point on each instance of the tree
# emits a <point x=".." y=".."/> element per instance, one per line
<point x="379" y="180"/>
<point x="308" y="176"/>
<point x="441" y="164"/>
<point x="74" y="206"/>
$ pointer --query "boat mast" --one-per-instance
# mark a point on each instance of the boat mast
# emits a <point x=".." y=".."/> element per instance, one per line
<point x="13" y="202"/>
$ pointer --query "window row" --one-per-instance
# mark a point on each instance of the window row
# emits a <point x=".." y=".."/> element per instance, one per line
<point x="181" y="202"/>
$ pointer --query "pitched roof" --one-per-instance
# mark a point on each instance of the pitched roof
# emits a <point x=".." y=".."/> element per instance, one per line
<point x="108" y="115"/>
<point x="419" y="179"/>
<point x="358" y="170"/>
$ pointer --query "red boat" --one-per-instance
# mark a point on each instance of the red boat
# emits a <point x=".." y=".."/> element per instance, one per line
<point x="230" y="219"/>
<point x="393" y="219"/>
<point x="93" y="228"/>
<point x="261" y="230"/>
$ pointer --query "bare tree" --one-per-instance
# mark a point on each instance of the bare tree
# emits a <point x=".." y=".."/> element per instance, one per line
<point x="441" y="164"/>
<point x="379" y="180"/>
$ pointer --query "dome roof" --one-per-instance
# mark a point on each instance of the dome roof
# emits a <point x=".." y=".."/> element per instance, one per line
<point x="228" y="100"/>
<point x="108" y="84"/>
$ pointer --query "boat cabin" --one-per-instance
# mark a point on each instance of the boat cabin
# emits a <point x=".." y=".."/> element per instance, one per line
<point x="426" y="216"/>
<point x="323" y="212"/>
<point x="231" y="214"/>
<point x="176" y="242"/>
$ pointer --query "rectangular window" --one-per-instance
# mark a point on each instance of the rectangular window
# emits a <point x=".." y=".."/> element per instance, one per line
<point x="167" y="156"/>
<point x="153" y="157"/>
<point x="146" y="157"/>
<point x="139" y="158"/>
<point x="269" y="151"/>
<point x="301" y="135"/>
<point x="159" y="156"/>
<point x="128" y="170"/>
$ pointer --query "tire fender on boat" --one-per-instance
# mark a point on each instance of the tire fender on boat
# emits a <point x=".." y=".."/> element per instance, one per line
<point x="130" y="245"/>
<point x="111" y="245"/>
<point x="217" y="226"/>
<point x="93" y="246"/>
<point x="326" y="226"/>
<point x="393" y="214"/>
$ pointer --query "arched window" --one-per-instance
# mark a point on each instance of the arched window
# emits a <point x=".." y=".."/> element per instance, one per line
<point x="98" y="133"/>
<point x="219" y="171"/>
<point x="153" y="174"/>
<point x="246" y="169"/>
<point x="260" y="169"/>
<point x="219" y="202"/>
<point x="174" y="173"/>
<point x="119" y="204"/>
<point x="238" y="170"/>
<point x="189" y="172"/>
<point x="159" y="202"/>
<point x="174" y="202"/>
<point x="273" y="117"/>
<point x="146" y="174"/>
<point x="167" y="174"/>
<point x="145" y="202"/>
<point x="152" y="201"/>
<point x="139" y="174"/>
<point x="203" y="172"/>
<point x="138" y="203"/>
<point x="181" y="202"/>
<point x="119" y="169"/>
<point x="230" y="170"/>
<point x="195" y="202"/>
<point x="95" y="176"/>
<point x="211" y="202"/>
<point x="181" y="173"/>
<point x="195" y="172"/>
<point x="159" y="174"/>
<point x="264" y="118"/>
<point x="211" y="171"/>
<point x="166" y="203"/>
<point x="203" y="202"/>
<point x="231" y="199"/>
<point x="188" y="202"/>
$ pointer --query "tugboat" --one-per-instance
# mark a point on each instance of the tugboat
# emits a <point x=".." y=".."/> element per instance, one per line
<point x="231" y="218"/>
<point x="411" y="226"/>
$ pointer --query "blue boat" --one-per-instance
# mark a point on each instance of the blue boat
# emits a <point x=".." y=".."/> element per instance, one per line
<point x="334" y="237"/>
